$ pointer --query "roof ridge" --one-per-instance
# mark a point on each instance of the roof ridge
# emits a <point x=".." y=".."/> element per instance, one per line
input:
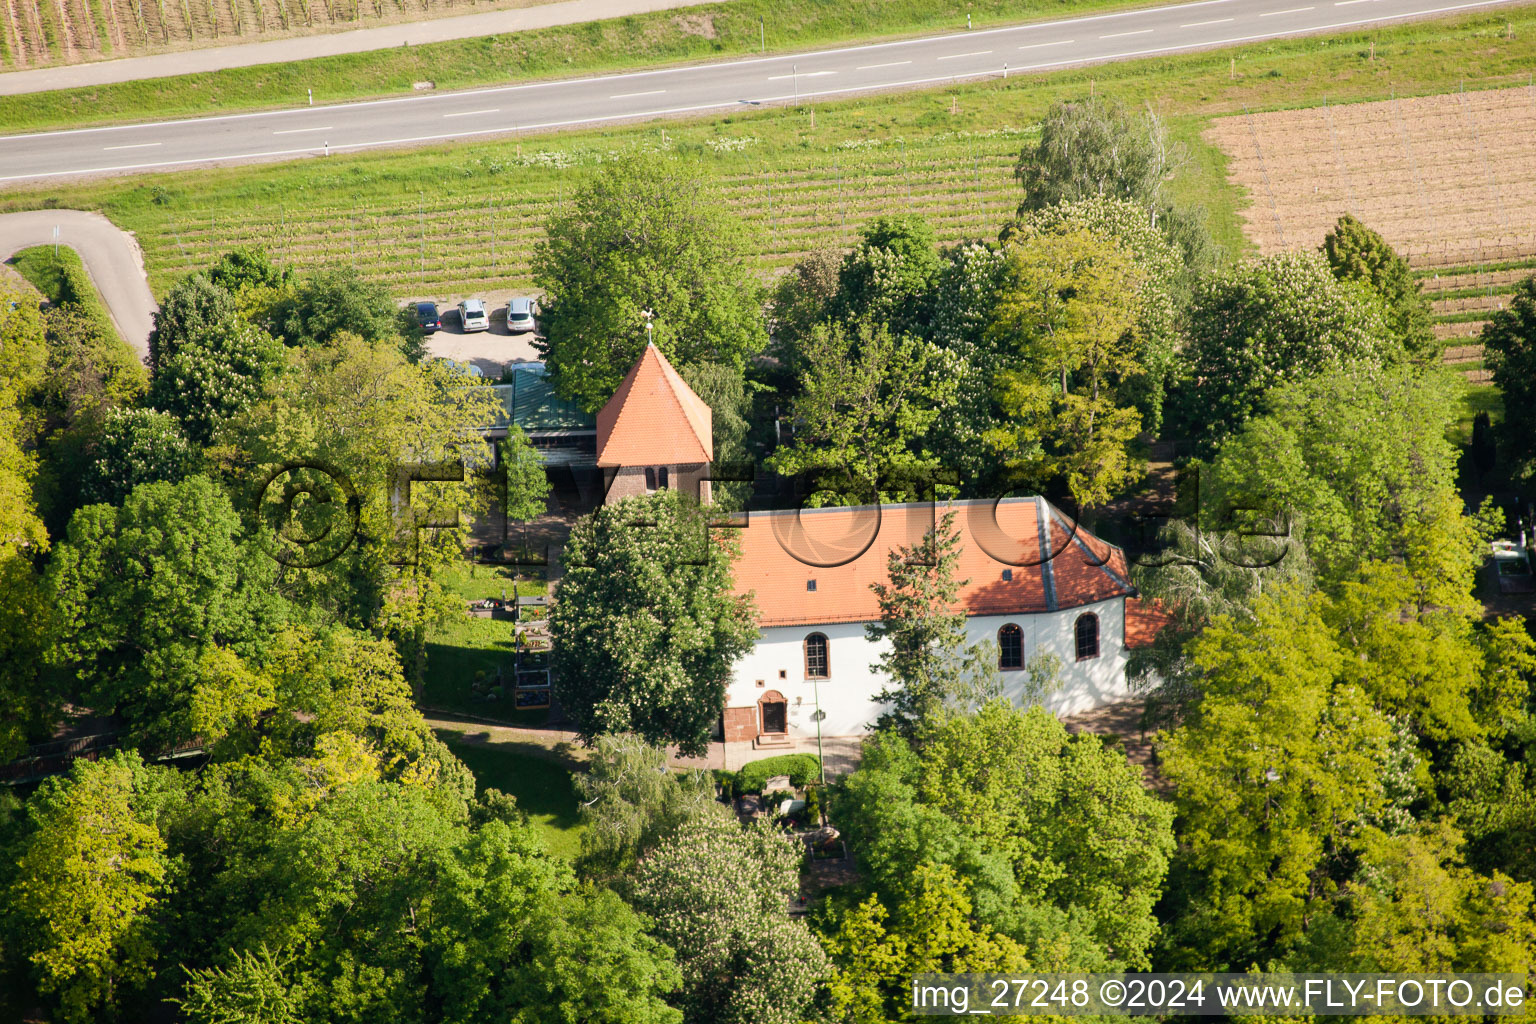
<point x="639" y="424"/>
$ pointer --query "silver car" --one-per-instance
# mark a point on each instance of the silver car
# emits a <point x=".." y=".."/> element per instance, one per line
<point x="473" y="317"/>
<point x="520" y="315"/>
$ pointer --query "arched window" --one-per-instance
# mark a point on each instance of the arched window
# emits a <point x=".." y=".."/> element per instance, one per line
<point x="1010" y="647"/>
<point x="815" y="656"/>
<point x="661" y="477"/>
<point x="1087" y="636"/>
<point x="650" y="479"/>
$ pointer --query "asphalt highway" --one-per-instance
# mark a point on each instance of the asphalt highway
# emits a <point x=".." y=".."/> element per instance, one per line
<point x="421" y="120"/>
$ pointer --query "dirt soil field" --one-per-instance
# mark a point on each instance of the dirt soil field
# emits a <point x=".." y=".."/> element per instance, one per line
<point x="1449" y="180"/>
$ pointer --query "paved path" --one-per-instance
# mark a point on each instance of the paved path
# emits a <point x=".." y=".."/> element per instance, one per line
<point x="440" y="118"/>
<point x="111" y="257"/>
<point x="277" y="51"/>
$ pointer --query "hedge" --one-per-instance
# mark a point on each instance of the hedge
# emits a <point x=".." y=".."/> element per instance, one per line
<point x="802" y="769"/>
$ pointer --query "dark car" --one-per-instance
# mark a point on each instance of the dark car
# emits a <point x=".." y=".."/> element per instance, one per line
<point x="428" y="317"/>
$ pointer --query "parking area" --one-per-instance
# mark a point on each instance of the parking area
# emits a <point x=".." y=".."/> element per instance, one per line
<point x="488" y="350"/>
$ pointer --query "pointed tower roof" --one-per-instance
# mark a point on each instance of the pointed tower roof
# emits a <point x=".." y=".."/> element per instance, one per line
<point x="654" y="418"/>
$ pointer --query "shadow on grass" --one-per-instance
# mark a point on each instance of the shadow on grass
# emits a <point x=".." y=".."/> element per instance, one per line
<point x="540" y="779"/>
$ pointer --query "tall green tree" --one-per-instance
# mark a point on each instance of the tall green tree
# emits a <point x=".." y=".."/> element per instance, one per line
<point x="143" y="591"/>
<point x="1269" y="321"/>
<point x="644" y="233"/>
<point x="528" y="486"/>
<point x="719" y="895"/>
<point x="1164" y="289"/>
<point x="1390" y="493"/>
<point x="1056" y="838"/>
<point x="888" y="278"/>
<point x="87" y="884"/>
<point x="330" y="303"/>
<point x="1095" y="147"/>
<point x="363" y="414"/>
<point x="867" y="401"/>
<point x="215" y="372"/>
<point x="137" y="446"/>
<point x="1067" y="307"/>
<point x="631" y="800"/>
<point x="928" y="928"/>
<point x="924" y="633"/>
<point x="1277" y="769"/>
<point x="1417" y="907"/>
<point x="192" y="305"/>
<point x="1509" y="346"/>
<point x="1356" y="253"/>
<point x="646" y="627"/>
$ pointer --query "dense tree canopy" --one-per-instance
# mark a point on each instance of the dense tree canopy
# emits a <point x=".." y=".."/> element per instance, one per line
<point x="1058" y="842"/>
<point x="1067" y="305"/>
<point x="720" y="895"/>
<point x="1272" y="320"/>
<point x="1509" y="346"/>
<point x="1356" y="253"/>
<point x="644" y="233"/>
<point x="866" y="404"/>
<point x="647" y="628"/>
<point x="145" y="590"/>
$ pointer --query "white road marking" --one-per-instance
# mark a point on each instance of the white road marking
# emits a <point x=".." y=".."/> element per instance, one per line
<point x="1213" y="21"/>
<point x="136" y="145"/>
<point x="1445" y="9"/>
<point x="296" y="131"/>
<point x="1117" y="35"/>
<point x="472" y="113"/>
<point x="1293" y="10"/>
<point x="803" y="74"/>
<point x="892" y="64"/>
<point x="1346" y="3"/>
<point x="632" y="95"/>
<point x="1059" y="42"/>
<point x="957" y="56"/>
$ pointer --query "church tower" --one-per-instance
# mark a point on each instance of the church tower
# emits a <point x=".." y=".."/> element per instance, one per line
<point x="654" y="432"/>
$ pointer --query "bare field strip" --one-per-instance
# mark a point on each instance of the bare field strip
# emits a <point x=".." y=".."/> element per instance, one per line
<point x="1449" y="179"/>
<point x="1468" y="304"/>
<point x="1500" y="280"/>
<point x="41" y="33"/>
<point x="1466" y="329"/>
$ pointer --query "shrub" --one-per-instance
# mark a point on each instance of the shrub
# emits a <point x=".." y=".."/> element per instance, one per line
<point x="813" y="805"/>
<point x="802" y="769"/>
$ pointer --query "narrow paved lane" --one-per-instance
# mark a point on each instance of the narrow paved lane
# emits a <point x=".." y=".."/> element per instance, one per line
<point x="111" y="256"/>
<point x="741" y="84"/>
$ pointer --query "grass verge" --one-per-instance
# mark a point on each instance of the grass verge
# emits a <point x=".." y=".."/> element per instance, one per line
<point x="464" y="649"/>
<point x="725" y="29"/>
<point x="542" y="786"/>
<point x="803" y="178"/>
<point x="62" y="278"/>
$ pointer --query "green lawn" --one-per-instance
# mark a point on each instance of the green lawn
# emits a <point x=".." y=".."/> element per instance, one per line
<point x="1477" y="398"/>
<point x="541" y="785"/>
<point x="716" y="30"/>
<point x="465" y="649"/>
<point x="801" y="178"/>
<point x="59" y="274"/>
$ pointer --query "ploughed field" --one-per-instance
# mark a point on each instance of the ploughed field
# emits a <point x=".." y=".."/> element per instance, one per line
<point x="1449" y="180"/>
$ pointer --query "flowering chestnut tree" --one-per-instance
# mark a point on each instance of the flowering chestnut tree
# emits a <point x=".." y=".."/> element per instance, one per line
<point x="645" y="626"/>
<point x="719" y="895"/>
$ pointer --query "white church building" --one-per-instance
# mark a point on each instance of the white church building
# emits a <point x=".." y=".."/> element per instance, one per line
<point x="1035" y="582"/>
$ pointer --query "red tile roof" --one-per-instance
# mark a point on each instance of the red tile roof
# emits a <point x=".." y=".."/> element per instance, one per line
<point x="1064" y="568"/>
<point x="654" y="418"/>
<point x="1143" y="621"/>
